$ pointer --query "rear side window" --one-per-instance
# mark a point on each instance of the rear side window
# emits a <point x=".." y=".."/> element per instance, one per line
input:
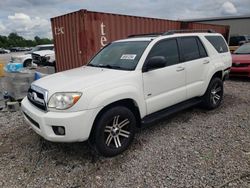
<point x="168" y="49"/>
<point x="190" y="49"/>
<point x="202" y="50"/>
<point x="218" y="43"/>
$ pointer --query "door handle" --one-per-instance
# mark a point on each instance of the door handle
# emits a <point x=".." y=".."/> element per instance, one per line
<point x="206" y="61"/>
<point x="180" y="69"/>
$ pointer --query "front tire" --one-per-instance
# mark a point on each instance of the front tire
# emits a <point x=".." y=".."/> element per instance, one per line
<point x="214" y="94"/>
<point x="114" y="131"/>
<point x="27" y="63"/>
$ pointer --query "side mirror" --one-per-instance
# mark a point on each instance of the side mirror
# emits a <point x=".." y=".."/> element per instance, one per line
<point x="155" y="62"/>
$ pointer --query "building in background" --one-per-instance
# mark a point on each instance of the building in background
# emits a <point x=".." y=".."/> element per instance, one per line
<point x="239" y="25"/>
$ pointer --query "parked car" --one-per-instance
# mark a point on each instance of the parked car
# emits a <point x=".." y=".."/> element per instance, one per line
<point x="19" y="49"/>
<point x="237" y="40"/>
<point x="129" y="84"/>
<point x="14" y="49"/>
<point x="241" y="61"/>
<point x="26" y="59"/>
<point x="44" y="58"/>
<point x="4" y="51"/>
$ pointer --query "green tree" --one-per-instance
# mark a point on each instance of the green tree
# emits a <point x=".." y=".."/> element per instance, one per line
<point x="42" y="40"/>
<point x="15" y="40"/>
<point x="3" y="41"/>
<point x="37" y="39"/>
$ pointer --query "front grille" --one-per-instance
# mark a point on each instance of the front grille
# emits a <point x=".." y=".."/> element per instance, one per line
<point x="37" y="97"/>
<point x="36" y="58"/>
<point x="32" y="121"/>
<point x="240" y="64"/>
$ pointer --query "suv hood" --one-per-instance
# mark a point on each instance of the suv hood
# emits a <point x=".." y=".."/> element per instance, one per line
<point x="78" y="79"/>
<point x="44" y="52"/>
<point x="22" y="56"/>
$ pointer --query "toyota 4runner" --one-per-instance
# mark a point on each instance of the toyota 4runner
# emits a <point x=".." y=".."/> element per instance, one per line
<point x="130" y="83"/>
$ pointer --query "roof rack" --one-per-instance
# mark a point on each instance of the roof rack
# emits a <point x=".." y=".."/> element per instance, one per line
<point x="146" y="35"/>
<point x="171" y="32"/>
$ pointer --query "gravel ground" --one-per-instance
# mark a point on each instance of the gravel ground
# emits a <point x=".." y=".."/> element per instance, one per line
<point x="194" y="148"/>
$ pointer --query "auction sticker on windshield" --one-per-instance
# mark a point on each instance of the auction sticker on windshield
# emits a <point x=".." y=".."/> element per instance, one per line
<point x="128" y="56"/>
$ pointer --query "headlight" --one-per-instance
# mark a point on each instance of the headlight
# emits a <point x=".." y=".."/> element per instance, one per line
<point x="62" y="101"/>
<point x="47" y="58"/>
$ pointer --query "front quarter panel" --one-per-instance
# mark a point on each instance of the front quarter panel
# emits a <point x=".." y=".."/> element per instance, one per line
<point x="120" y="93"/>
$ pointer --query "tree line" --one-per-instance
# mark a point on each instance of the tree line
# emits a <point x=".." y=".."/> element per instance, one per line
<point x="14" y="40"/>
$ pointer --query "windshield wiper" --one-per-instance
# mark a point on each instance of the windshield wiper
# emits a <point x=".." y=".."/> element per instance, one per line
<point x="109" y="66"/>
<point x="102" y="66"/>
<point x="91" y="65"/>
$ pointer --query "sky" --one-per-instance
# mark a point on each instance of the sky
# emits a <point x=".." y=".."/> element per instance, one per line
<point x="31" y="18"/>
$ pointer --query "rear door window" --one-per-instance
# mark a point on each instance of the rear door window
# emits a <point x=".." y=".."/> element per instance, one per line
<point x="218" y="43"/>
<point x="189" y="48"/>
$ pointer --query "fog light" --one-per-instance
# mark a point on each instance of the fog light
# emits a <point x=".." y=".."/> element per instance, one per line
<point x="58" y="130"/>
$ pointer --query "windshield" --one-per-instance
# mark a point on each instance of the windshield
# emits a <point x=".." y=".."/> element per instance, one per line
<point x="120" y="55"/>
<point x="244" y="49"/>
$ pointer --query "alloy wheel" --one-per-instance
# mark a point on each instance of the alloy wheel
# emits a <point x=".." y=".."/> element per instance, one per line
<point x="117" y="132"/>
<point x="216" y="93"/>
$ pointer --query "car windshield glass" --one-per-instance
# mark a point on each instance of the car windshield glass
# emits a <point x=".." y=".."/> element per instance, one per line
<point x="120" y="55"/>
<point x="244" y="49"/>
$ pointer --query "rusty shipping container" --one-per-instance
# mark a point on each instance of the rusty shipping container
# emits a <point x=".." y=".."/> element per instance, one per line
<point x="79" y="35"/>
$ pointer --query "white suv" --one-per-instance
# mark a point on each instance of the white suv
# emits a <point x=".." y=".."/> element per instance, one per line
<point x="26" y="59"/>
<point x="129" y="84"/>
<point x="44" y="57"/>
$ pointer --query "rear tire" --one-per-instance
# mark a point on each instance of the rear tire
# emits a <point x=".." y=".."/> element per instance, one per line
<point x="114" y="131"/>
<point x="214" y="94"/>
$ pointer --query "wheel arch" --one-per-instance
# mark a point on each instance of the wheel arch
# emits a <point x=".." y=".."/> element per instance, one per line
<point x="127" y="102"/>
<point x="216" y="74"/>
<point x="27" y="60"/>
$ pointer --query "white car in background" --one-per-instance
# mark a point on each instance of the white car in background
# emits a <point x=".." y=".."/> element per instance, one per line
<point x="4" y="51"/>
<point x="26" y="58"/>
<point x="44" y="58"/>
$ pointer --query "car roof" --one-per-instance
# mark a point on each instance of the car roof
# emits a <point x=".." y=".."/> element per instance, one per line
<point x="150" y="38"/>
<point x="45" y="45"/>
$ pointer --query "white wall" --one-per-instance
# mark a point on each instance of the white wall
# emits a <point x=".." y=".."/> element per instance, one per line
<point x="237" y="26"/>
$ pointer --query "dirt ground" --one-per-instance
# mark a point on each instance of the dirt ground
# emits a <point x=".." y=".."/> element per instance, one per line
<point x="194" y="148"/>
<point x="5" y="58"/>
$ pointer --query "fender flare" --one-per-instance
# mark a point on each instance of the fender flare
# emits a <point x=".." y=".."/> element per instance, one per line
<point x="125" y="92"/>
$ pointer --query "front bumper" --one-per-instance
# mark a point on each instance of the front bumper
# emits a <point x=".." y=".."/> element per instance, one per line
<point x="240" y="71"/>
<point x="77" y="124"/>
